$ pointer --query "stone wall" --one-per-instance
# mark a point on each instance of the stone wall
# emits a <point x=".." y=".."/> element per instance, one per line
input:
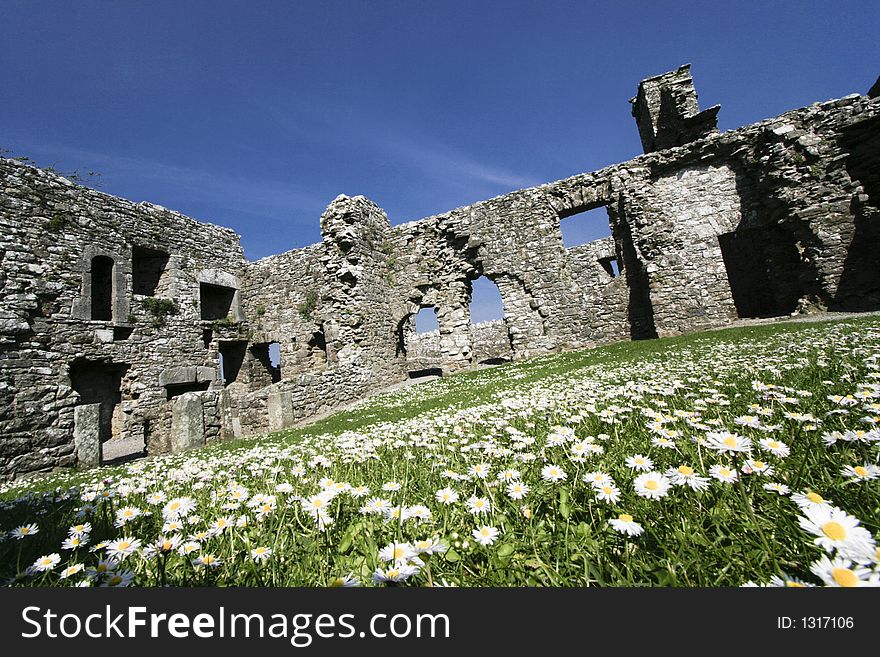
<point x="99" y="299"/>
<point x="127" y="310"/>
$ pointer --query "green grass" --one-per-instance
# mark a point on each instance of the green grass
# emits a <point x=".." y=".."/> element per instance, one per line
<point x="506" y="418"/>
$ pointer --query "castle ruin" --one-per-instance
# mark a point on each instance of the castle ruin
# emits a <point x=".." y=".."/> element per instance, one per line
<point x="128" y="321"/>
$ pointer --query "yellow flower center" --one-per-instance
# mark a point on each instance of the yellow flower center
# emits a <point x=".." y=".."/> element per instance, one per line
<point x="815" y="498"/>
<point x="759" y="465"/>
<point x="845" y="577"/>
<point x="606" y="490"/>
<point x="730" y="441"/>
<point x="773" y="444"/>
<point x="625" y="517"/>
<point x="399" y="553"/>
<point x="124" y="545"/>
<point x="834" y="530"/>
<point x="794" y="585"/>
<point x="651" y="484"/>
<point x="116" y="579"/>
<point x="861" y="471"/>
<point x="685" y="470"/>
<point x="725" y="472"/>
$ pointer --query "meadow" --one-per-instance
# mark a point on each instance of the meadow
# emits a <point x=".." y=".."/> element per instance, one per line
<point x="741" y="457"/>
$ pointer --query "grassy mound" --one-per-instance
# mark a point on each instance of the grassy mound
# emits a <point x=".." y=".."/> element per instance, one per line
<point x="716" y="459"/>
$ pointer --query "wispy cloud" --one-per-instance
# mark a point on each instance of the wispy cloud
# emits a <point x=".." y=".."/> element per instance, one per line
<point x="235" y="193"/>
<point x="442" y="163"/>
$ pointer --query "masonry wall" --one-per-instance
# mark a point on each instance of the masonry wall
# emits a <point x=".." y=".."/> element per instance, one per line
<point x="53" y="355"/>
<point x="771" y="219"/>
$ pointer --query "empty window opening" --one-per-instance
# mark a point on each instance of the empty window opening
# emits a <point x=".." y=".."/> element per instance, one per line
<point x="102" y="288"/>
<point x="432" y="372"/>
<point x="216" y="301"/>
<point x="173" y="390"/>
<point x="275" y="361"/>
<point x="763" y="269"/>
<point x="580" y="226"/>
<point x="100" y="383"/>
<point x="494" y="361"/>
<point x="231" y="359"/>
<point x="486" y="303"/>
<point x="268" y="355"/>
<point x="207" y="336"/>
<point x="426" y="320"/>
<point x="148" y="269"/>
<point x="611" y="266"/>
<point x="317" y="344"/>
<point x="122" y="333"/>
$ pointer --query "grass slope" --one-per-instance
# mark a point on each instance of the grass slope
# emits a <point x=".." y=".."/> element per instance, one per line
<point x="610" y="466"/>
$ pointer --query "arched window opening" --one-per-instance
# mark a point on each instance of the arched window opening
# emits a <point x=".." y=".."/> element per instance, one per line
<point x="102" y="288"/>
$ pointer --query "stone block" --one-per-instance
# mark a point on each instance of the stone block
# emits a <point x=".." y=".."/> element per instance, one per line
<point x="187" y="422"/>
<point x="87" y="434"/>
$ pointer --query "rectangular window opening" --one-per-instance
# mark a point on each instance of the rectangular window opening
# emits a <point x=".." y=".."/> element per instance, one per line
<point x="584" y="224"/>
<point x="215" y="300"/>
<point x="148" y="271"/>
<point x="231" y="359"/>
<point x="611" y="266"/>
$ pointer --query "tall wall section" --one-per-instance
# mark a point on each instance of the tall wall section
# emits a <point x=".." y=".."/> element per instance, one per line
<point x="767" y="220"/>
<point x="100" y="303"/>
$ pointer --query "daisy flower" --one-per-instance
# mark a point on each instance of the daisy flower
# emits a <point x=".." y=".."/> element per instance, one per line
<point x="478" y="505"/>
<point x="810" y="500"/>
<point x="118" y="579"/>
<point x="607" y="493"/>
<point x="597" y="478"/>
<point x="723" y="474"/>
<point x="260" y="554"/>
<point x="429" y="546"/>
<point x="397" y="552"/>
<point x="480" y="470"/>
<point x="397" y="573"/>
<point x="71" y="570"/>
<point x="178" y="507"/>
<point x="73" y="542"/>
<point x="516" y="490"/>
<point x="359" y="491"/>
<point x="625" y="524"/>
<point x="639" y="462"/>
<point x="123" y="547"/>
<point x="835" y="529"/>
<point x="752" y="466"/>
<point x="840" y="572"/>
<point x="776" y="487"/>
<point x="485" y="535"/>
<point x="207" y="561"/>
<point x="446" y="496"/>
<point x="553" y="473"/>
<point x="46" y="562"/>
<point x="685" y="475"/>
<point x="391" y="486"/>
<point x="861" y="472"/>
<point x="347" y="581"/>
<point x="775" y="447"/>
<point x="724" y="441"/>
<point x="652" y="485"/>
<point x="79" y="530"/>
<point x="786" y="581"/>
<point x="24" y="530"/>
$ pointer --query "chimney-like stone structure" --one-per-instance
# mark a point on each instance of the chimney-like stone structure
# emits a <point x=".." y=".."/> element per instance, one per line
<point x="667" y="114"/>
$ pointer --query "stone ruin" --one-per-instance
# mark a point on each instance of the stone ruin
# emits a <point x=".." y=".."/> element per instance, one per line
<point x="127" y="321"/>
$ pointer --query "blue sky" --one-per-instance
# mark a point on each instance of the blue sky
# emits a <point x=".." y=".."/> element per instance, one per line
<point x="255" y="115"/>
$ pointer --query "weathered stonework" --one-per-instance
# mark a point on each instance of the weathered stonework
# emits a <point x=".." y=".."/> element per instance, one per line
<point x="115" y="316"/>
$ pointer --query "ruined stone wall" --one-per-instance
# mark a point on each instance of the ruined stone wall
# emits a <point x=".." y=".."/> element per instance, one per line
<point x="55" y="241"/>
<point x="770" y="219"/>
